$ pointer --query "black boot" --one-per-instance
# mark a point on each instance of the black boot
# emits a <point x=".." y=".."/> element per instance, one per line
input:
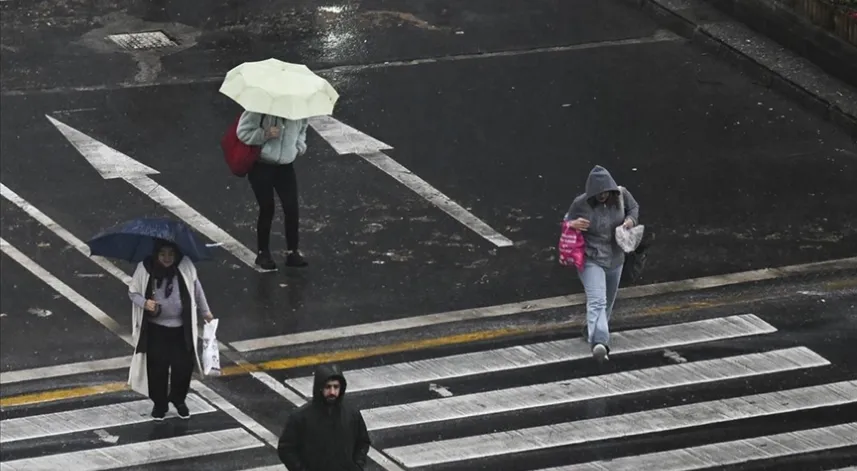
<point x="265" y="261"/>
<point x="294" y="259"/>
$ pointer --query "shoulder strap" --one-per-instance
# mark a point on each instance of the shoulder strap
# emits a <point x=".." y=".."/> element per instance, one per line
<point x="622" y="200"/>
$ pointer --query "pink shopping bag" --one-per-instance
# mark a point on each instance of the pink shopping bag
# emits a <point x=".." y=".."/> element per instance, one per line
<point x="572" y="246"/>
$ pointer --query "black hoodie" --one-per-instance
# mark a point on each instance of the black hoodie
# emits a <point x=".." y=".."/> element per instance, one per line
<point x="325" y="437"/>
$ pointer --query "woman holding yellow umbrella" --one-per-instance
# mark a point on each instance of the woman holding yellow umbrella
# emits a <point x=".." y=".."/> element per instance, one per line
<point x="278" y="98"/>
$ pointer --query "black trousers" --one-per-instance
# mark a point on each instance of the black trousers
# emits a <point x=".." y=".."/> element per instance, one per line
<point x="265" y="179"/>
<point x="169" y="364"/>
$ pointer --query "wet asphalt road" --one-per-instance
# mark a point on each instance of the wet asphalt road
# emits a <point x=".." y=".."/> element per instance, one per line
<point x="730" y="175"/>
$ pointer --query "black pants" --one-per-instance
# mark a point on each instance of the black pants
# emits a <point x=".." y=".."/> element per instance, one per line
<point x="265" y="179"/>
<point x="168" y="358"/>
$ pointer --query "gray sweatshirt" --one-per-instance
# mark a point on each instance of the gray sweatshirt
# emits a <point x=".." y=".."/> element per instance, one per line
<point x="601" y="246"/>
<point x="279" y="151"/>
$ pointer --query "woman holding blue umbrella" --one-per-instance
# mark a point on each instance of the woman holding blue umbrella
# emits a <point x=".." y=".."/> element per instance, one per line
<point x="167" y="299"/>
<point x="166" y="296"/>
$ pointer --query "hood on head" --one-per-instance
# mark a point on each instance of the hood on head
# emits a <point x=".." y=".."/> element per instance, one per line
<point x="323" y="374"/>
<point x="599" y="181"/>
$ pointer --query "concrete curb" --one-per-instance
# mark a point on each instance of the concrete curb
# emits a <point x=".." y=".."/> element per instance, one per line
<point x="764" y="60"/>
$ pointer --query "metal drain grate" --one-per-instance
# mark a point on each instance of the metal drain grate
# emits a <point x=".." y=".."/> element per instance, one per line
<point x="143" y="40"/>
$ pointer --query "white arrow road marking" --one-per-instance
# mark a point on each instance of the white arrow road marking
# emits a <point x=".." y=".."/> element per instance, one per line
<point x="110" y="163"/>
<point x="440" y="390"/>
<point x="346" y="140"/>
<point x="106" y="437"/>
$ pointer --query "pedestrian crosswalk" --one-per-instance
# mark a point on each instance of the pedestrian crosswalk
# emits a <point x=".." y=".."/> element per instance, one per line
<point x="541" y="406"/>
<point x="121" y="435"/>
<point x="533" y="425"/>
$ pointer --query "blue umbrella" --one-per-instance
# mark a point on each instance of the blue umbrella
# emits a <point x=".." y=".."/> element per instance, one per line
<point x="135" y="240"/>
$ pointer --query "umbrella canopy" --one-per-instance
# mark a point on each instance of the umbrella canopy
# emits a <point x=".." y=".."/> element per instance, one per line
<point x="134" y="240"/>
<point x="279" y="88"/>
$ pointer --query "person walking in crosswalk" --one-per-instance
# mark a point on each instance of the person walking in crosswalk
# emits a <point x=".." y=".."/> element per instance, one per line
<point x="282" y="141"/>
<point x="166" y="295"/>
<point x="326" y="434"/>
<point x="597" y="213"/>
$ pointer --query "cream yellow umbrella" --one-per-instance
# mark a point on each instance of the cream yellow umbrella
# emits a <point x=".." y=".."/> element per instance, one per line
<point x="279" y="88"/>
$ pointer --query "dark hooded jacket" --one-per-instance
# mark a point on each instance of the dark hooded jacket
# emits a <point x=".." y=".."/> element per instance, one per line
<point x="325" y="437"/>
<point x="604" y="218"/>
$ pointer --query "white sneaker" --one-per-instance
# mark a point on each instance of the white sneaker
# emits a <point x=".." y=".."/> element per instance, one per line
<point x="599" y="352"/>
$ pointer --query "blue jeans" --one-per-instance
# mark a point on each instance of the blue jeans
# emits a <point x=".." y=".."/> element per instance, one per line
<point x="601" y="286"/>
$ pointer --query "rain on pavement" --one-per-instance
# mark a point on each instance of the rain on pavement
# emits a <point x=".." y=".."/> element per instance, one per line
<point x="501" y="106"/>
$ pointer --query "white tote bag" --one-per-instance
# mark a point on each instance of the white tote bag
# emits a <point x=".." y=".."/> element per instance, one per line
<point x="628" y="239"/>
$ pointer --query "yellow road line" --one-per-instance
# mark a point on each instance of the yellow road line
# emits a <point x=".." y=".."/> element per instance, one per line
<point x="367" y="352"/>
<point x="288" y="363"/>
<point x="60" y="394"/>
<point x="345" y="355"/>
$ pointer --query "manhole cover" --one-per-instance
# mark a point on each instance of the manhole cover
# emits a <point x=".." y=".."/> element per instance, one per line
<point x="143" y="40"/>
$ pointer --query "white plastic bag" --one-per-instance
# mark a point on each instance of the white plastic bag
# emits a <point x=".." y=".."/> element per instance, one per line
<point x="210" y="349"/>
<point x="629" y="239"/>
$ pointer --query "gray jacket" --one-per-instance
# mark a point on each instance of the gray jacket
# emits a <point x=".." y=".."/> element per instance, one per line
<point x="280" y="151"/>
<point x="601" y="246"/>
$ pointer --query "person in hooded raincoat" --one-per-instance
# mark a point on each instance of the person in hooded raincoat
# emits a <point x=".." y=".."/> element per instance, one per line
<point x="326" y="434"/>
<point x="165" y="294"/>
<point x="597" y="213"/>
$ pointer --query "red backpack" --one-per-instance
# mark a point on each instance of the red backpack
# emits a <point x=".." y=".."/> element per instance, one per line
<point x="239" y="156"/>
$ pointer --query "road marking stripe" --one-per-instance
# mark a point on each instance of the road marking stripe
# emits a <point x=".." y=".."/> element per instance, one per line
<point x="235" y="413"/>
<point x="459" y="365"/>
<point x="658" y="36"/>
<point x="68" y="369"/>
<point x="91" y="418"/>
<point x="346" y="140"/>
<point x="625" y="425"/>
<point x="140" y="454"/>
<point x="588" y="388"/>
<point x="61" y="394"/>
<point x="65" y="290"/>
<point x="195" y="219"/>
<point x="276" y="467"/>
<point x="525" y="356"/>
<point x="431" y="194"/>
<point x="286" y="363"/>
<point x="557" y="302"/>
<point x="65" y="235"/>
<point x="718" y="455"/>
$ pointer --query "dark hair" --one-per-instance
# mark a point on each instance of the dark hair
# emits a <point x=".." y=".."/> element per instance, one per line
<point x="612" y="200"/>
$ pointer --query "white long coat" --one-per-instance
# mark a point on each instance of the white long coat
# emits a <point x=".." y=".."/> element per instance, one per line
<point x="138" y="379"/>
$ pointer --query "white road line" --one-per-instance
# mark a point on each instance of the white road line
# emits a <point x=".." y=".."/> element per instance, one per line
<point x="195" y="219"/>
<point x="421" y="187"/>
<point x="235" y="413"/>
<point x="526" y="356"/>
<point x="588" y="388"/>
<point x="110" y="163"/>
<point x="141" y="454"/>
<point x="535" y="305"/>
<point x="719" y="455"/>
<point x="658" y="36"/>
<point x="625" y="425"/>
<point x="65" y="235"/>
<point x="93" y="311"/>
<point x="276" y="467"/>
<point x="69" y="369"/>
<point x="346" y="140"/>
<point x="91" y="418"/>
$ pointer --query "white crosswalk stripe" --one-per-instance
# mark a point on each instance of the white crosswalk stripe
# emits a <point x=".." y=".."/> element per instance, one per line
<point x="730" y="453"/>
<point x="402" y="421"/>
<point x="121" y="435"/>
<point x="540" y="354"/>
